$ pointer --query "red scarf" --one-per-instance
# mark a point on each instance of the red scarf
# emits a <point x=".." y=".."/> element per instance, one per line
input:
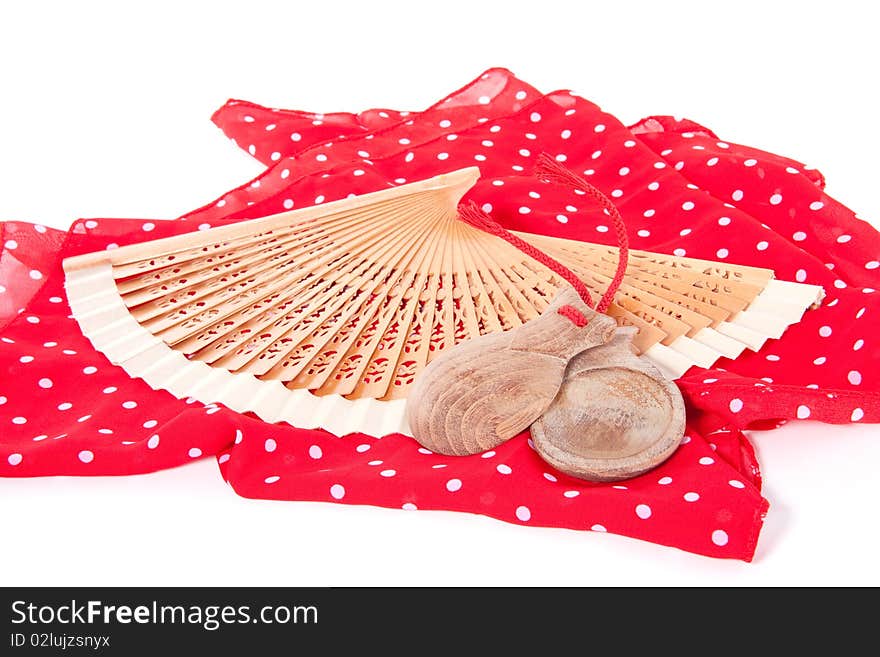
<point x="65" y="410"/>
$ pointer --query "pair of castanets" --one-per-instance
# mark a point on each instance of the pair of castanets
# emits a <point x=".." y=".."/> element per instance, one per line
<point x="596" y="410"/>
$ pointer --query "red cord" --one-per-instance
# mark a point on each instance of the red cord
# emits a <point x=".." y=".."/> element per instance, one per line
<point x="474" y="215"/>
<point x="549" y="170"/>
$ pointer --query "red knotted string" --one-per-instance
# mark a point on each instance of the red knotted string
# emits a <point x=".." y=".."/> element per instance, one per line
<point x="474" y="215"/>
<point x="549" y="170"/>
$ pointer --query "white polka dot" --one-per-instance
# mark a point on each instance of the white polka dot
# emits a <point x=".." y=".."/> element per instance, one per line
<point x="602" y="229"/>
<point x="26" y="359"/>
<point x="843" y="239"/>
<point x="654" y="186"/>
<point x="762" y="245"/>
<point x="857" y="414"/>
<point x="664" y="481"/>
<point x="712" y="161"/>
<point x="423" y="450"/>
<point x="19" y="420"/>
<point x="14" y="459"/>
<point x="800" y="275"/>
<point x="316" y="452"/>
<point x="91" y="369"/>
<point x="687" y="205"/>
<point x="523" y="513"/>
<point x="11" y="245"/>
<point x="571" y="493"/>
<point x="272" y="479"/>
<point x="598" y="528"/>
<point x="858" y="344"/>
<point x="360" y="449"/>
<point x="679" y="252"/>
<point x="3" y="400"/>
<point x="442" y="156"/>
<point x="488" y="455"/>
<point x="534" y="117"/>
<point x="825" y="331"/>
<point x="194" y="452"/>
<point x="319" y="199"/>
<point x="295" y="136"/>
<point x="623" y="171"/>
<point x="86" y="456"/>
<point x="722" y="253"/>
<point x="803" y="412"/>
<point x="691" y="497"/>
<point x="149" y="424"/>
<point x="45" y="383"/>
<point x="270" y="445"/>
<point x="643" y="511"/>
<point x="561" y="218"/>
<point x="719" y="537"/>
<point x="129" y="405"/>
<point x="524" y="210"/>
<point x="153" y="442"/>
<point x="288" y="203"/>
<point x="453" y="485"/>
<point x="599" y="128"/>
<point x="776" y="199"/>
<point x="821" y="360"/>
<point x="872" y="264"/>
<point x="91" y="223"/>
<point x="854" y="377"/>
<point x="648" y="213"/>
<point x="337" y="491"/>
<point x="503" y="468"/>
<point x="817" y="205"/>
<point x="409" y="506"/>
<point x="723" y="221"/>
<point x="643" y="233"/>
<point x="482" y="100"/>
<point x="799" y="236"/>
<point x="736" y="405"/>
<point x="750" y="162"/>
<point x="66" y="406"/>
<point x="388" y="473"/>
<point x="148" y="226"/>
<point x="706" y="460"/>
<point x="736" y="483"/>
<point x="737" y="195"/>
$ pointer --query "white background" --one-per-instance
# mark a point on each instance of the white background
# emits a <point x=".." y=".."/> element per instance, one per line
<point x="104" y="112"/>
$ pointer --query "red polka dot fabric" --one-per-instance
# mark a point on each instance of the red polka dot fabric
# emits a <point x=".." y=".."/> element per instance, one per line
<point x="64" y="409"/>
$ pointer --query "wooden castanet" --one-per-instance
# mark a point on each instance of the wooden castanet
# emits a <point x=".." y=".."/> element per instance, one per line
<point x="615" y="416"/>
<point x="484" y="391"/>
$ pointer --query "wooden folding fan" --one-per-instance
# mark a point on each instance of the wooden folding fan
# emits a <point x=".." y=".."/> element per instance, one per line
<point x="324" y="316"/>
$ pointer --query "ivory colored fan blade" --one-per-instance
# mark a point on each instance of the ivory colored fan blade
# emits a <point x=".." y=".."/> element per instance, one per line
<point x="483" y="392"/>
<point x="615" y="416"/>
